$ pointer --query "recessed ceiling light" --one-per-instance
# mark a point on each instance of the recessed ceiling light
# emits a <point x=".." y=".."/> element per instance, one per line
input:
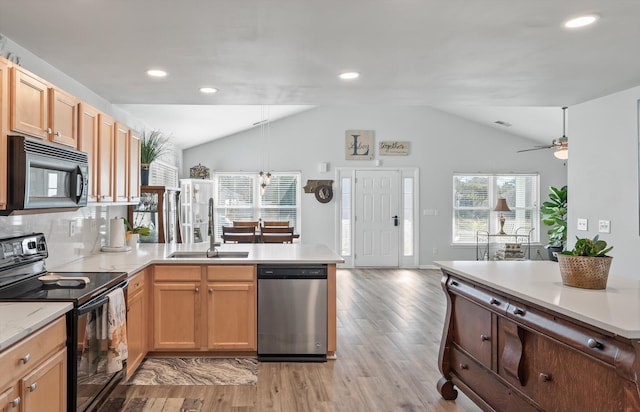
<point x="208" y="90"/>
<point x="156" y="73"/>
<point x="581" y="21"/>
<point x="349" y="75"/>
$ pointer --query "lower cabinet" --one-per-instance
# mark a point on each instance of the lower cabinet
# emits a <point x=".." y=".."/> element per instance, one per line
<point x="185" y="320"/>
<point x="508" y="355"/>
<point x="34" y="371"/>
<point x="136" y="321"/>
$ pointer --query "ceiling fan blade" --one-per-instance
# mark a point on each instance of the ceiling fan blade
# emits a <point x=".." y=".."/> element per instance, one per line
<point x="536" y="148"/>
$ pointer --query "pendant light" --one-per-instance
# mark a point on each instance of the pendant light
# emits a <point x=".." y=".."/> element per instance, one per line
<point x="265" y="125"/>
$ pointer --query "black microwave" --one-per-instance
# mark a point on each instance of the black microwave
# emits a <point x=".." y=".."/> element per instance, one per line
<point x="42" y="176"/>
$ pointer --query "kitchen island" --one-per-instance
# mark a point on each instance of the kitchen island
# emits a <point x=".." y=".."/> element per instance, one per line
<point x="515" y="338"/>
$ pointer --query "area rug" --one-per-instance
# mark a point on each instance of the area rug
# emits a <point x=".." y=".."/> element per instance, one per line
<point x="196" y="371"/>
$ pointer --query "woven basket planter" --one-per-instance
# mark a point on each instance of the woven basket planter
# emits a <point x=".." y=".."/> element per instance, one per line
<point x="584" y="272"/>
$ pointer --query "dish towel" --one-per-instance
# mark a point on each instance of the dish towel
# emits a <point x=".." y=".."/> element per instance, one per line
<point x="116" y="330"/>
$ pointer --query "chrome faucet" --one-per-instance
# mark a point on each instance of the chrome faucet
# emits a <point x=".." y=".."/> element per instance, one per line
<point x="212" y="231"/>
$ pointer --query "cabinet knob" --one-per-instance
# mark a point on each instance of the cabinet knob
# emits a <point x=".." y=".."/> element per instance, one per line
<point x="594" y="344"/>
<point x="544" y="377"/>
<point x="16" y="402"/>
<point x="210" y="290"/>
<point x="58" y="134"/>
<point x="484" y="338"/>
<point x="197" y="290"/>
<point x="494" y="301"/>
<point x="33" y="386"/>
<point x="518" y="311"/>
<point x="454" y="283"/>
<point x="464" y="366"/>
<point x="49" y="131"/>
<point x="26" y="358"/>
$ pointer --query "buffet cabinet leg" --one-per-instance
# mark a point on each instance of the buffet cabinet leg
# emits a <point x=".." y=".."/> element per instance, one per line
<point x="445" y="387"/>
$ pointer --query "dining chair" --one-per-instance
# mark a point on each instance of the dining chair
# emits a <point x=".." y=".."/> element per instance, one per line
<point x="241" y="223"/>
<point x="239" y="234"/>
<point x="278" y="223"/>
<point x="276" y="234"/>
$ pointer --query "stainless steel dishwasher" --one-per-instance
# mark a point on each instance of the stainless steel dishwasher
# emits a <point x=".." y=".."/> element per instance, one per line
<point x="292" y="313"/>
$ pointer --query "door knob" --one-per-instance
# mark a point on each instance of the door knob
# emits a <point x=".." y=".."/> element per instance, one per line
<point x="395" y="220"/>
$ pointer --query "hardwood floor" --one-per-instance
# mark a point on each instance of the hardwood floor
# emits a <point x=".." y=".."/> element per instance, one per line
<point x="389" y="328"/>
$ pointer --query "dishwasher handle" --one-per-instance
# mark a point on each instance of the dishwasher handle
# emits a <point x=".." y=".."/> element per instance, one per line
<point x="292" y="272"/>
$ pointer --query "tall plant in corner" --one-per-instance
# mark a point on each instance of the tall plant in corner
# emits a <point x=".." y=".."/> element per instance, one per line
<point x="152" y="145"/>
<point x="554" y="214"/>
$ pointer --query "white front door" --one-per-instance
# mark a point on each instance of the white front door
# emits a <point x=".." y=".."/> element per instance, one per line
<point x="377" y="209"/>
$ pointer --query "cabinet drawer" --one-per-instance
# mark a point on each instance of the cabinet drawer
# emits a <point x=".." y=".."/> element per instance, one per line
<point x="231" y="273"/>
<point x="484" y="384"/>
<point x="486" y="298"/>
<point x="173" y="273"/>
<point x="136" y="283"/>
<point x="21" y="357"/>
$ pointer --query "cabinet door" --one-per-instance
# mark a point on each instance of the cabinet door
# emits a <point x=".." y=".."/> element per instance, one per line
<point x="29" y="104"/>
<point x="63" y="118"/>
<point x="4" y="118"/>
<point x="472" y="329"/>
<point x="136" y="328"/>
<point x="134" y="166"/>
<point x="88" y="125"/>
<point x="106" y="133"/>
<point x="231" y="314"/>
<point x="121" y="163"/>
<point x="176" y="317"/>
<point x="10" y="400"/>
<point x="45" y="388"/>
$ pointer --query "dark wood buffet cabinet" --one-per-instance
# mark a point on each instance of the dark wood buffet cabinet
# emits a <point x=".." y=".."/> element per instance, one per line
<point x="508" y="354"/>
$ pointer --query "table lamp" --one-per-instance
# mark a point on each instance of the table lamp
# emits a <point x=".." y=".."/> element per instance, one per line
<point x="502" y="207"/>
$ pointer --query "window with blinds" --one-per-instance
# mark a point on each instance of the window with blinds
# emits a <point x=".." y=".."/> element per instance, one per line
<point x="476" y="195"/>
<point x="238" y="197"/>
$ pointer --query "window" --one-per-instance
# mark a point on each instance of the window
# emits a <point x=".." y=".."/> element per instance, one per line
<point x="238" y="198"/>
<point x="475" y="196"/>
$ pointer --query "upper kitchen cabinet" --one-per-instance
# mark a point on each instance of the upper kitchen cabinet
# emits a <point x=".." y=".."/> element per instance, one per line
<point x="121" y="163"/>
<point x="134" y="166"/>
<point x="88" y="125"/>
<point x="63" y="118"/>
<point x="29" y="104"/>
<point x="106" y="133"/>
<point x="4" y="118"/>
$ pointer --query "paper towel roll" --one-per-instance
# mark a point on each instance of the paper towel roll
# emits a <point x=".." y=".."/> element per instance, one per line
<point x="116" y="232"/>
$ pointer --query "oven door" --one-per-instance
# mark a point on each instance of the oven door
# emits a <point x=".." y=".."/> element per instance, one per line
<point x="93" y="380"/>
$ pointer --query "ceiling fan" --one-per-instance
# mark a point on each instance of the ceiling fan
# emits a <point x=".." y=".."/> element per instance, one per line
<point x="561" y="144"/>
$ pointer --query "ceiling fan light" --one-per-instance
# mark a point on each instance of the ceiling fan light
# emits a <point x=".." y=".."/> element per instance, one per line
<point x="561" y="153"/>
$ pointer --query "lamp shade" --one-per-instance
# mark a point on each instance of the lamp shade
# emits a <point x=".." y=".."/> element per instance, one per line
<point x="561" y="153"/>
<point x="502" y="206"/>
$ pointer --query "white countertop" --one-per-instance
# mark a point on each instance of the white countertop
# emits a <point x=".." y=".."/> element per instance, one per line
<point x="152" y="253"/>
<point x="615" y="309"/>
<point x="20" y="319"/>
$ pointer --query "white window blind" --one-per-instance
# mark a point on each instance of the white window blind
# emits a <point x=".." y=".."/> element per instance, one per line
<point x="475" y="196"/>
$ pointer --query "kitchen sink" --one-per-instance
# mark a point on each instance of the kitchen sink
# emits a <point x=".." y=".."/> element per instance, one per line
<point x="212" y="255"/>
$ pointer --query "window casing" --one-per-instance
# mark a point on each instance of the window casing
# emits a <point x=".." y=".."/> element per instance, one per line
<point x="238" y="197"/>
<point x="475" y="196"/>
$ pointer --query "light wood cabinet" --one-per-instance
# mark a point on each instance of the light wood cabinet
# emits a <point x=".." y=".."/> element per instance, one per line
<point x="88" y="125"/>
<point x="136" y="321"/>
<point x="29" y="103"/>
<point x="106" y="136"/>
<point x="34" y="371"/>
<point x="63" y="118"/>
<point x="121" y="163"/>
<point x="511" y="355"/>
<point x="184" y="320"/>
<point x="134" y="166"/>
<point x="4" y="120"/>
<point x="231" y="307"/>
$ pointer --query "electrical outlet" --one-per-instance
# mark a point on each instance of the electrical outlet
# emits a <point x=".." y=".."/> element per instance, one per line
<point x="604" y="226"/>
<point x="72" y="228"/>
<point x="583" y="224"/>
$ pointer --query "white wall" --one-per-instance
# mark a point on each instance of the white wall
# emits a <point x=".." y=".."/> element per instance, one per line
<point x="441" y="144"/>
<point x="603" y="174"/>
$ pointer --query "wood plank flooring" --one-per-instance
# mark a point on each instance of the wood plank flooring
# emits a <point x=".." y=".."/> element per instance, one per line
<point x="389" y="328"/>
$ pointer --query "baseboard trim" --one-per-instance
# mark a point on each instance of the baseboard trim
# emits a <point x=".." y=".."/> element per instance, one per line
<point x="428" y="267"/>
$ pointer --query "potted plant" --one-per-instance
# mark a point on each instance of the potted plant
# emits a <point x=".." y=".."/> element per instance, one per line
<point x="152" y="145"/>
<point x="133" y="233"/>
<point x="554" y="214"/>
<point x="587" y="265"/>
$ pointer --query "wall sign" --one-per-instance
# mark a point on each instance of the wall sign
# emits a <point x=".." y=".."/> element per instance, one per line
<point x="394" y="148"/>
<point x="322" y="189"/>
<point x="358" y="145"/>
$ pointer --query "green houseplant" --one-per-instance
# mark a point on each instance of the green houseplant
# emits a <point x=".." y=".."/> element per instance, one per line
<point x="554" y="214"/>
<point x="152" y="145"/>
<point x="587" y="264"/>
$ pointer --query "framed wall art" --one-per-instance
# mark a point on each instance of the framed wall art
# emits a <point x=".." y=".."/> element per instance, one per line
<point x="359" y="145"/>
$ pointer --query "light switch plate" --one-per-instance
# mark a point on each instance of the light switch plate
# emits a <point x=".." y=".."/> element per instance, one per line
<point x="604" y="226"/>
<point x="583" y="224"/>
